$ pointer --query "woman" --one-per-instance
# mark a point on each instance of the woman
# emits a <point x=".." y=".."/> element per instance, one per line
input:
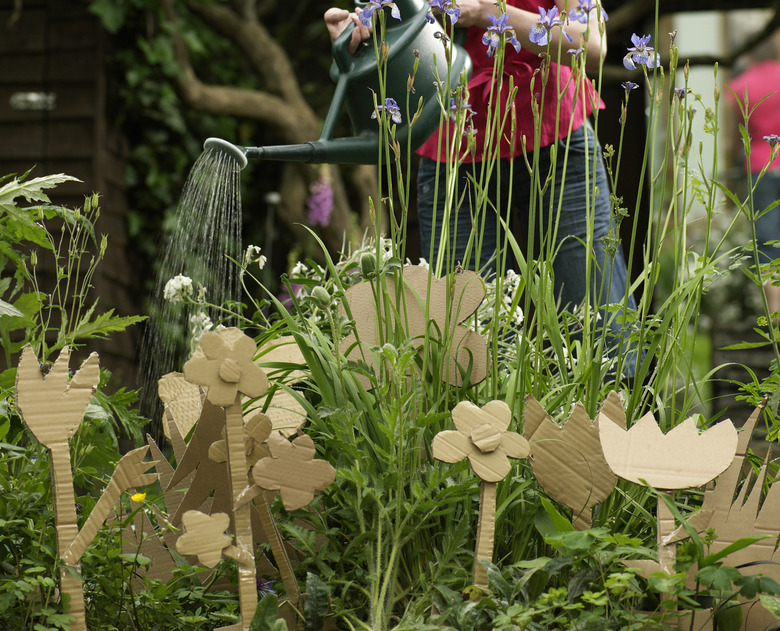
<point x="577" y="195"/>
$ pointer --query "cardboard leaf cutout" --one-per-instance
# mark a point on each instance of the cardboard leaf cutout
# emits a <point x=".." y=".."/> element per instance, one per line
<point x="452" y="300"/>
<point x="568" y="461"/>
<point x="736" y="515"/>
<point x="182" y="399"/>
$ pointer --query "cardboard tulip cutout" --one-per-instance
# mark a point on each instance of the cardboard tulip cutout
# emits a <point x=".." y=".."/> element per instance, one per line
<point x="754" y="510"/>
<point x="429" y="306"/>
<point x="53" y="408"/>
<point x="223" y="363"/>
<point x="567" y="460"/>
<point x="680" y="459"/>
<point x="482" y="437"/>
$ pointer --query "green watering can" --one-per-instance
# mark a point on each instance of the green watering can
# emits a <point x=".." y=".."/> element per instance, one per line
<point x="356" y="77"/>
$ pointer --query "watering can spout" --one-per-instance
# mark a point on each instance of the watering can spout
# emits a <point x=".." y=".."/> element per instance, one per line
<point x="354" y="150"/>
<point x="409" y="42"/>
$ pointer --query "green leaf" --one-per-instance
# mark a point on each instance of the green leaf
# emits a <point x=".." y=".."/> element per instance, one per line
<point x="102" y="325"/>
<point x="266" y="614"/>
<point x="7" y="309"/>
<point x="316" y="606"/>
<point x="728" y="616"/>
<point x="32" y="190"/>
<point x="739" y="544"/>
<point x="111" y="13"/>
<point x="559" y="522"/>
<point x="717" y="576"/>
<point x="771" y="604"/>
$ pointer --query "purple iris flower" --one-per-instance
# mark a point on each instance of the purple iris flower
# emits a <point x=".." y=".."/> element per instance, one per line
<point x="392" y="109"/>
<point x="681" y="92"/>
<point x="445" y="6"/>
<point x="628" y="86"/>
<point x="539" y="33"/>
<point x="367" y="13"/>
<point x="640" y="53"/>
<point x="498" y="27"/>
<point x="581" y="13"/>
<point x="455" y="107"/>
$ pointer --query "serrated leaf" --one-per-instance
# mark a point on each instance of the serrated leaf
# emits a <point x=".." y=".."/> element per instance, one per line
<point x="102" y="325"/>
<point x="317" y="605"/>
<point x="20" y="225"/>
<point x="32" y="190"/>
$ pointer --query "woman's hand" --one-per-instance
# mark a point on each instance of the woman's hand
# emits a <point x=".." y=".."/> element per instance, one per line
<point x="338" y="19"/>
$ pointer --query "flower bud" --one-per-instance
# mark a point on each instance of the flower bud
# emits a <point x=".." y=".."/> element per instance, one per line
<point x="321" y="297"/>
<point x="368" y="264"/>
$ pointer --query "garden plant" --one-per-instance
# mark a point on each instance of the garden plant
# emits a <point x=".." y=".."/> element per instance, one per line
<point x="432" y="391"/>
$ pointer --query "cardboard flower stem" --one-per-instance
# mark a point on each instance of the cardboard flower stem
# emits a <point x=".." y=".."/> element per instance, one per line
<point x="485" y="533"/>
<point x="67" y="530"/>
<point x="247" y="586"/>
<point x="665" y="528"/>
<point x="277" y="547"/>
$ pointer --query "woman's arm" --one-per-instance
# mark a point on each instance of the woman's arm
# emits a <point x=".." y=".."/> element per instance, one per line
<point x="476" y="12"/>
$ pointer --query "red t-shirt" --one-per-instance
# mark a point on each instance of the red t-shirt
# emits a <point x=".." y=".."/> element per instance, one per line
<point x="522" y="66"/>
<point x="759" y="80"/>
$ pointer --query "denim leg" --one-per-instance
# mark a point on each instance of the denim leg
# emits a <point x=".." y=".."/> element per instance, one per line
<point x="567" y="222"/>
<point x="465" y="223"/>
<point x="767" y="225"/>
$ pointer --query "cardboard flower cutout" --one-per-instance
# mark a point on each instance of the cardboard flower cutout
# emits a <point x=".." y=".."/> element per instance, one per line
<point x="482" y="437"/>
<point x="204" y="536"/>
<point x="439" y="313"/>
<point x="224" y="363"/>
<point x="256" y="432"/>
<point x="293" y="471"/>
<point x="680" y="459"/>
<point x="567" y="460"/>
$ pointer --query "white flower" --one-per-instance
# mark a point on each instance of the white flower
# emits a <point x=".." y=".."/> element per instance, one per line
<point x="299" y="269"/>
<point x="200" y="323"/>
<point x="423" y="263"/>
<point x="177" y="289"/>
<point x="253" y="255"/>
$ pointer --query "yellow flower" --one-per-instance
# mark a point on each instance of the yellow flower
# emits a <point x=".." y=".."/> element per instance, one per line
<point x="138" y="497"/>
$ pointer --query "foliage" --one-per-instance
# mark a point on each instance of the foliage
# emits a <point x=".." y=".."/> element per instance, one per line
<point x="388" y="545"/>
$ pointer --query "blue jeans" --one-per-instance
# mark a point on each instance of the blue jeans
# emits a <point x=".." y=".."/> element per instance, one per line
<point x="767" y="225"/>
<point x="569" y="226"/>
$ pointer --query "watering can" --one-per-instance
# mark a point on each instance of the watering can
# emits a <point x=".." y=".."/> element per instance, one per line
<point x="356" y="76"/>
